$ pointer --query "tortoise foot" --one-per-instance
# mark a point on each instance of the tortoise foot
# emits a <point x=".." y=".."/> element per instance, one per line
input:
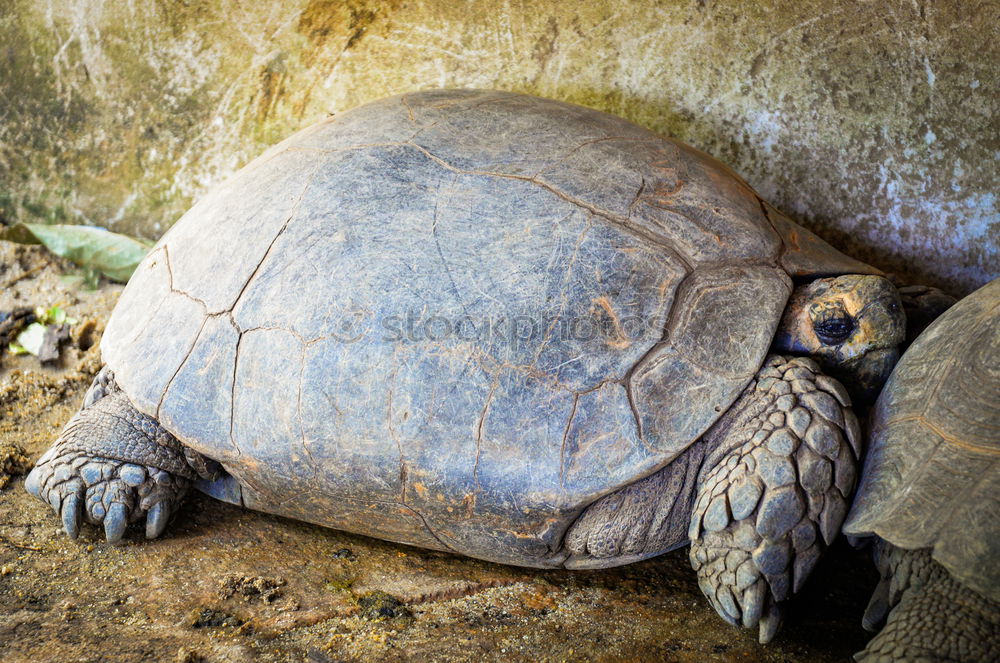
<point x="931" y="616"/>
<point x="101" y="491"/>
<point x="113" y="465"/>
<point x="773" y="492"/>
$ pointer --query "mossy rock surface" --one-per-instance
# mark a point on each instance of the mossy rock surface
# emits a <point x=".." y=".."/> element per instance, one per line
<point x="877" y="126"/>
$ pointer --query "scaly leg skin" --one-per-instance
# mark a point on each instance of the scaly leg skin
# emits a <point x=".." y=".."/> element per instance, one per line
<point x="773" y="491"/>
<point x="932" y="617"/>
<point x="113" y="465"/>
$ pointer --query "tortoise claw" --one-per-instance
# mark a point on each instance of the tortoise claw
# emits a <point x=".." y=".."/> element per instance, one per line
<point x="754" y="599"/>
<point x="72" y="514"/>
<point x="115" y="522"/>
<point x="770" y="621"/>
<point x="156" y="519"/>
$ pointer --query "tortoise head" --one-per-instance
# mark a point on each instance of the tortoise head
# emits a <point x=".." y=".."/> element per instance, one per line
<point x="851" y="324"/>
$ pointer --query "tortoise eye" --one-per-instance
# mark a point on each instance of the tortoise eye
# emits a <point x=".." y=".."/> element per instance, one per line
<point x="832" y="331"/>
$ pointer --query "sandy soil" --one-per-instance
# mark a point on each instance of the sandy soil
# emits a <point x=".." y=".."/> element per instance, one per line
<point x="231" y="585"/>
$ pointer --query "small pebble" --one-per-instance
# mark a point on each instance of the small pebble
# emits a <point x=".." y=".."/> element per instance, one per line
<point x="6" y="570"/>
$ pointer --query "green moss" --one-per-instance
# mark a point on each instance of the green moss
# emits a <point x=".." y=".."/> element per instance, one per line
<point x="339" y="584"/>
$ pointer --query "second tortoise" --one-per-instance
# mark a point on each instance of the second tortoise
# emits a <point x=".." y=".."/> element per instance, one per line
<point x="929" y="496"/>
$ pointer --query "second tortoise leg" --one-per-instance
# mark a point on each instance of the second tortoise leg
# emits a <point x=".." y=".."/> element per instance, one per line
<point x="931" y="616"/>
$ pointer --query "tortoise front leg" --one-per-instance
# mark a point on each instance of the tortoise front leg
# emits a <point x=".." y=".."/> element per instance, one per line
<point x="112" y="465"/>
<point x="773" y="491"/>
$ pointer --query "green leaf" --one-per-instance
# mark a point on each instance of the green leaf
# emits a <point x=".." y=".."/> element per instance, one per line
<point x="116" y="256"/>
<point x="29" y="340"/>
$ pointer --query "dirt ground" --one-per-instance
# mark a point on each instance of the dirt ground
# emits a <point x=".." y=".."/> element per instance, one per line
<point x="231" y="585"/>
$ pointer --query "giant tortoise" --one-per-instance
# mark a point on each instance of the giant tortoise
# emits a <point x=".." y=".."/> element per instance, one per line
<point x="930" y="493"/>
<point x="499" y="325"/>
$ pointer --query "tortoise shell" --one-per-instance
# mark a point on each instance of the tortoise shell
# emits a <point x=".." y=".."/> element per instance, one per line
<point x="456" y="318"/>
<point x="931" y="477"/>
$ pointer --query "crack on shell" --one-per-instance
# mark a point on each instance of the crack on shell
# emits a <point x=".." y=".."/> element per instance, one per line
<point x="565" y="440"/>
<point x="170" y="281"/>
<point x="479" y="431"/>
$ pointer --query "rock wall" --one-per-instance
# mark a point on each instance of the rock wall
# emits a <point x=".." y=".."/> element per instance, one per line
<point x="877" y="124"/>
